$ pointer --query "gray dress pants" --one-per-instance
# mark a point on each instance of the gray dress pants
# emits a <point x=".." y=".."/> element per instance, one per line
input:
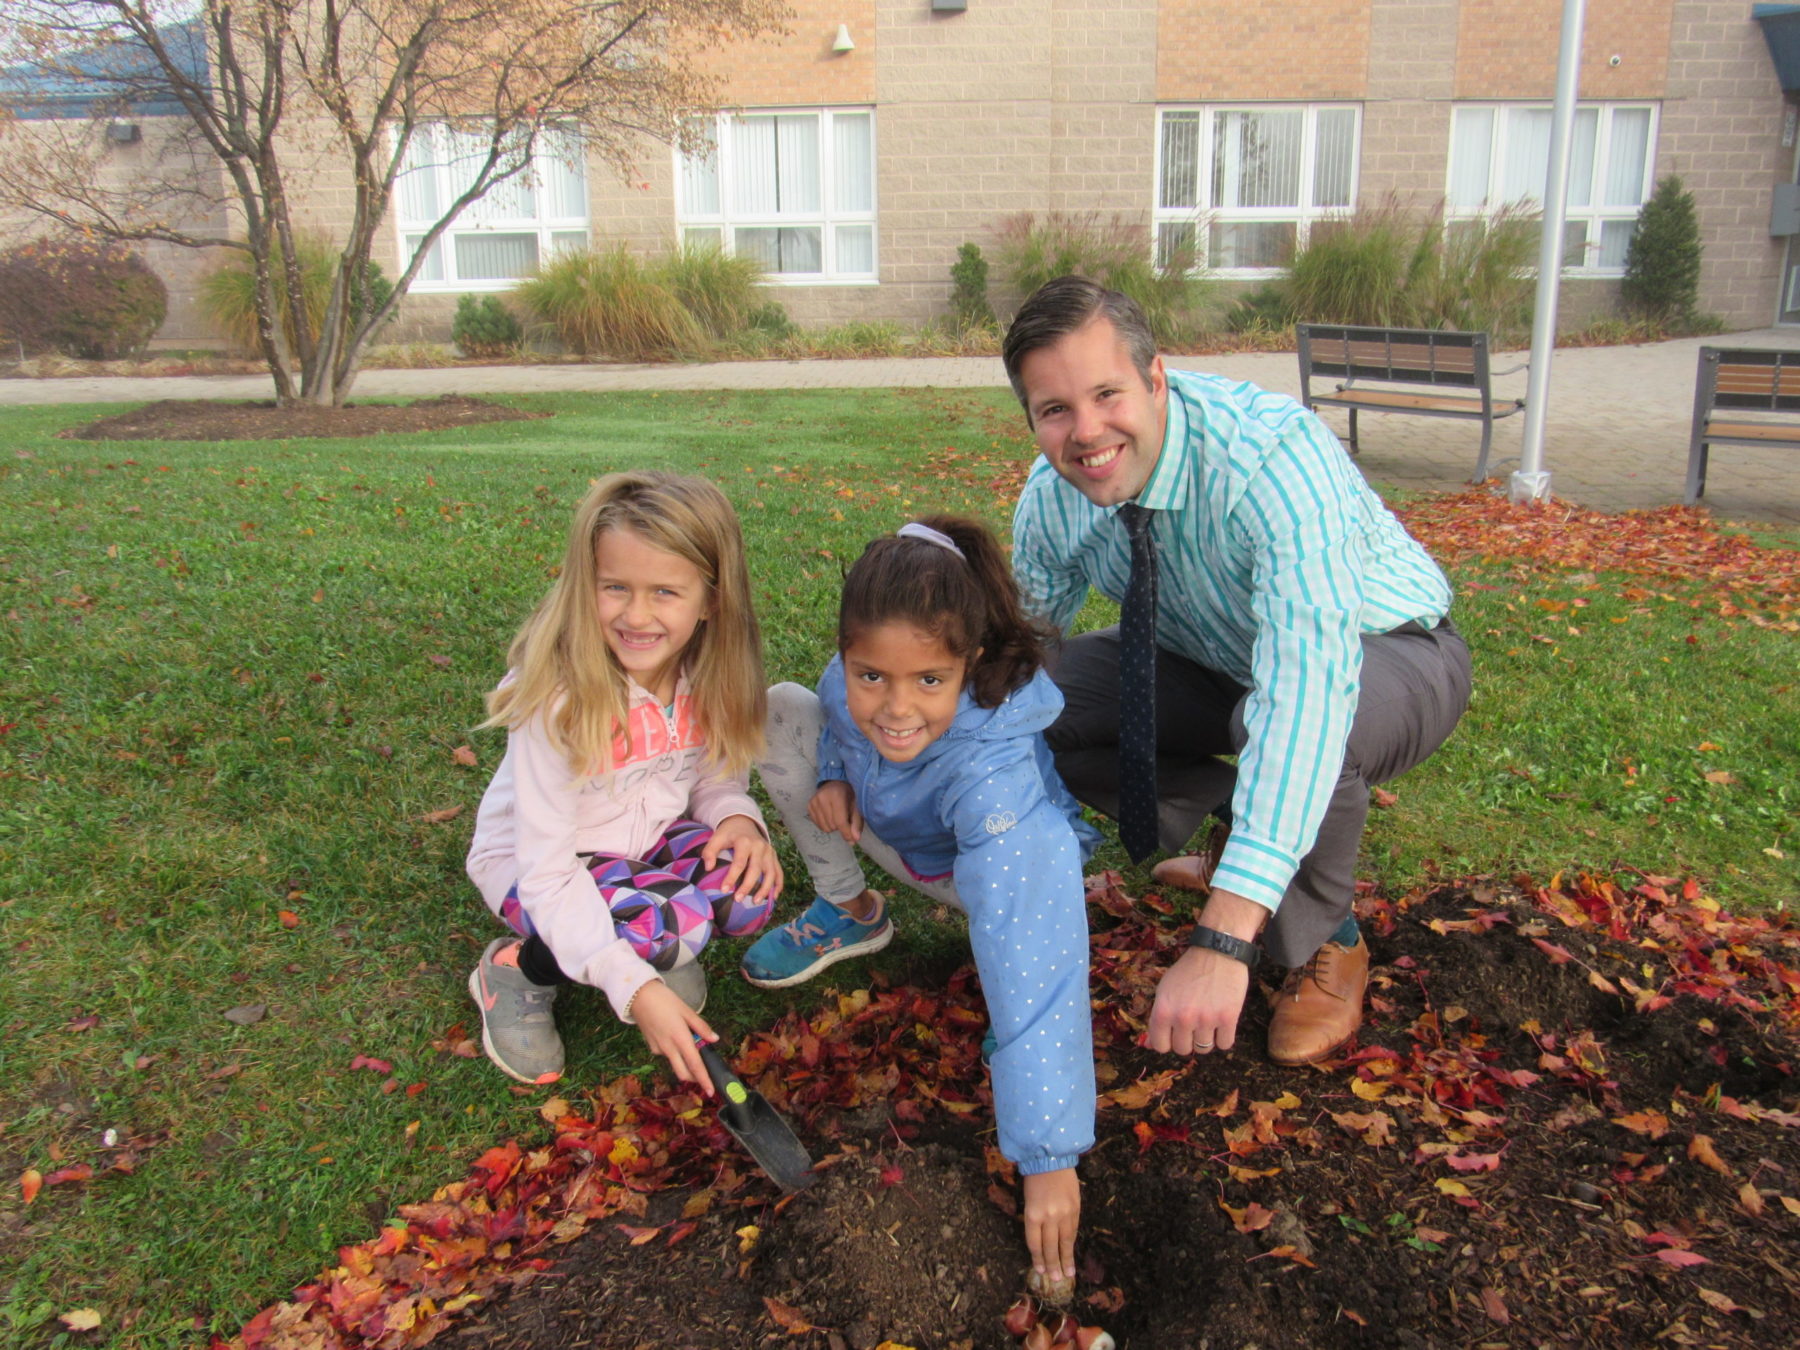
<point x="1415" y="686"/>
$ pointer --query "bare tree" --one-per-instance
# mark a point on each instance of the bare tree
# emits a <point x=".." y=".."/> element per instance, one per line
<point x="266" y="91"/>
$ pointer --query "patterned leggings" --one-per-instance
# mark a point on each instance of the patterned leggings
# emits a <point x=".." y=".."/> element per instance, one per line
<point x="664" y="905"/>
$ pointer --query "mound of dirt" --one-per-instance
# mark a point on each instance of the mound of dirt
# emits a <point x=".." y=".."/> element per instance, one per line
<point x="204" y="420"/>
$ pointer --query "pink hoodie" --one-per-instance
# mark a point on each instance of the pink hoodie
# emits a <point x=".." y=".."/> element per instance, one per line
<point x="536" y="818"/>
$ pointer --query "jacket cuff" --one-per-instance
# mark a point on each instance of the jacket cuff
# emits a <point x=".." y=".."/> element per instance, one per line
<point x="1254" y="869"/>
<point x="1051" y="1164"/>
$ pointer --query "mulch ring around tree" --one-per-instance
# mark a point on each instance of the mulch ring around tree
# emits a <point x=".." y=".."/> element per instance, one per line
<point x="1569" y="1120"/>
<point x="198" y="419"/>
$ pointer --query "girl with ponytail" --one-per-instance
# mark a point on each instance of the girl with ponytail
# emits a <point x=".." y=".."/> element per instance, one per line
<point x="923" y="747"/>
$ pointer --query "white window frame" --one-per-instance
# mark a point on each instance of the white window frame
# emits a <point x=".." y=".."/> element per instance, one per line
<point x="1205" y="213"/>
<point x="535" y="202"/>
<point x="1590" y="218"/>
<point x="700" y="222"/>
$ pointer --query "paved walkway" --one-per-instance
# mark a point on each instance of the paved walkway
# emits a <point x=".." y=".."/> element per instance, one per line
<point x="1615" y="436"/>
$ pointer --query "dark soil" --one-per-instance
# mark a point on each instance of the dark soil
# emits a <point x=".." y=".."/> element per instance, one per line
<point x="1498" y="1160"/>
<point x="204" y="420"/>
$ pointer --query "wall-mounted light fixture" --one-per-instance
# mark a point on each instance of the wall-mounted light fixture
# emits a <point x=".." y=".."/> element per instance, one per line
<point x="843" y="43"/>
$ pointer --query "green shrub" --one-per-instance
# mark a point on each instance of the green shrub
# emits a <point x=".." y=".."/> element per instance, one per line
<point x="719" y="290"/>
<point x="608" y="301"/>
<point x="969" y="305"/>
<point x="1113" y="251"/>
<point x="1662" y="262"/>
<point x="228" y="292"/>
<point x="95" y="301"/>
<point x="771" y="318"/>
<point x="485" y="328"/>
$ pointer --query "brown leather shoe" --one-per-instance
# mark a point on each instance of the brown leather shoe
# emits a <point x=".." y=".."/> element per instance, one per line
<point x="1193" y="871"/>
<point x="1320" y="1005"/>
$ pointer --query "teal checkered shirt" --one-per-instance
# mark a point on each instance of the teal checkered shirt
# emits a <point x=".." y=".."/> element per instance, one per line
<point x="1274" y="558"/>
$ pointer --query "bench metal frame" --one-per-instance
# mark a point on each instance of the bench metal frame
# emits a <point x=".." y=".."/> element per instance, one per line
<point x="1741" y="379"/>
<point x="1441" y="359"/>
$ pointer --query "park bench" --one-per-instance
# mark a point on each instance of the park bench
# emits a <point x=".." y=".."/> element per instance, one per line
<point x="1431" y="367"/>
<point x="1734" y="381"/>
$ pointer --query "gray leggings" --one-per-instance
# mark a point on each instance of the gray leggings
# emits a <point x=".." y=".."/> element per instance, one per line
<point x="790" y="772"/>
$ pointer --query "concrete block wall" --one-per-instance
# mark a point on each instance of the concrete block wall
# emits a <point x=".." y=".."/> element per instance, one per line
<point x="1721" y="132"/>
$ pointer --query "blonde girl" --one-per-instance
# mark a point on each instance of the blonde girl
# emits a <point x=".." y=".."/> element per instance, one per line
<point x="618" y="833"/>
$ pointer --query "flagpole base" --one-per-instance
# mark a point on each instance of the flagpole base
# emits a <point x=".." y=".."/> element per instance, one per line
<point x="1528" y="487"/>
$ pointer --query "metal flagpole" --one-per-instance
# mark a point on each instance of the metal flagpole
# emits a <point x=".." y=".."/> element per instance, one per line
<point x="1531" y="480"/>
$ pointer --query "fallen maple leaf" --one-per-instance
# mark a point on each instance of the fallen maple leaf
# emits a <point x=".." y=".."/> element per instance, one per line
<point x="80" y="1319"/>
<point x="1751" y="1200"/>
<point x="1474" y="1162"/>
<point x="1557" y="954"/>
<point x="788" y="1319"/>
<point x="247" y="1014"/>
<point x="380" y="1066"/>
<point x="87" y="1023"/>
<point x="1680" y="1256"/>
<point x="1700" y="1149"/>
<point x="1720" y="776"/>
<point x="1383" y="798"/>
<point x="1714" y="1298"/>
<point x="465" y="756"/>
<point x="1791" y="1205"/>
<point x="638" y="1236"/>
<point x="79" y="1172"/>
<point x="1653" y="1123"/>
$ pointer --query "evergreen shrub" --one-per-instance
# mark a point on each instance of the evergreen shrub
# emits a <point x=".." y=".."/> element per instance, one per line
<point x="1662" y="262"/>
<point x="485" y="328"/>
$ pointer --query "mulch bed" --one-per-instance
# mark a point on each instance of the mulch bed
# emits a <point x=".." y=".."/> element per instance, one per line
<point x="174" y="419"/>
<point x="1570" y="1120"/>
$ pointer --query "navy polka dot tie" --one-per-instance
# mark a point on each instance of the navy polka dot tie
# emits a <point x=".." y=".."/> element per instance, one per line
<point x="1137" y="691"/>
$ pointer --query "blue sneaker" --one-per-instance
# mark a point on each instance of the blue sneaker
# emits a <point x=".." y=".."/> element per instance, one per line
<point x="822" y="936"/>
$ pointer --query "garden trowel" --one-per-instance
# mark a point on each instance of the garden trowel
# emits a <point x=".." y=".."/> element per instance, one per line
<point x="756" y="1125"/>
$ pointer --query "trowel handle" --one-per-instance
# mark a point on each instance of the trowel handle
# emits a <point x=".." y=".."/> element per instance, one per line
<point x="732" y="1092"/>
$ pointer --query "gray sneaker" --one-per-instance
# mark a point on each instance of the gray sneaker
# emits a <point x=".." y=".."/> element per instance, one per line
<point x="518" y="1027"/>
<point x="689" y="984"/>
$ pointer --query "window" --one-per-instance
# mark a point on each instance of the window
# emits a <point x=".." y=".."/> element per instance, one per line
<point x="794" y="190"/>
<point x="497" y="238"/>
<point x="1240" y="187"/>
<point x="1500" y="156"/>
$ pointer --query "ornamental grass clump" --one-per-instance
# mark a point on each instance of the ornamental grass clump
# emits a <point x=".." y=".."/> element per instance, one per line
<point x="720" y="290"/>
<point x="610" y="302"/>
<point x="1114" y="251"/>
<point x="228" y="292"/>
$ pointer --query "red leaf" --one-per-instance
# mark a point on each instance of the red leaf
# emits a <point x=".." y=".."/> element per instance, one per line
<point x="465" y="756"/>
<point x="1474" y="1162"/>
<point x="380" y="1066"/>
<point x="87" y="1023"/>
<point x="79" y="1172"/>
<point x="1495" y="1307"/>
<point x="638" y="1236"/>
<point x="288" y="918"/>
<point x="891" y="1175"/>
<point x="1677" y="1256"/>
<point x="1384" y="798"/>
<point x="1557" y="954"/>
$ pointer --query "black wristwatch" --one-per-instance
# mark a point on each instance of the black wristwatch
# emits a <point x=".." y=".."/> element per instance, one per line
<point x="1226" y="945"/>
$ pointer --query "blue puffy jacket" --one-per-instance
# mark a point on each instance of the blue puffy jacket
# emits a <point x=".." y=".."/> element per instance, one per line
<point x="984" y="805"/>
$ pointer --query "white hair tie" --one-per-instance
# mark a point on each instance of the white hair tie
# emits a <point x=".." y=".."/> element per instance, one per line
<point x="914" y="530"/>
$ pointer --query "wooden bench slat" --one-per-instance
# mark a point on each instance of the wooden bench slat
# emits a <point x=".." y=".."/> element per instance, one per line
<point x="1390" y="398"/>
<point x="1755" y="431"/>
<point x="1764" y="383"/>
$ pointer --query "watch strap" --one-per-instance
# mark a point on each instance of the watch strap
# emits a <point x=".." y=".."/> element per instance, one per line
<point x="1226" y="945"/>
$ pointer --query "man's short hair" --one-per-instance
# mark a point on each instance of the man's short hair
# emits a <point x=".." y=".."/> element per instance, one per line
<point x="1060" y="307"/>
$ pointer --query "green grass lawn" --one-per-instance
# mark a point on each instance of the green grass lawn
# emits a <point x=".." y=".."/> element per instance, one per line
<point x="231" y="680"/>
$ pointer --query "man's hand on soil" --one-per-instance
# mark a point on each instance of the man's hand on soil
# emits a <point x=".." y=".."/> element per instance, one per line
<point x="1201" y="996"/>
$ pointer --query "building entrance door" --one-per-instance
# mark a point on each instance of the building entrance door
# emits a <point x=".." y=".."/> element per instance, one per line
<point x="1788" y="307"/>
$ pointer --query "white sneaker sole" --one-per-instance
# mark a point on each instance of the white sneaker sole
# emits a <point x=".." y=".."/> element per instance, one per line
<point x="487" y="1042"/>
<point x="867" y="945"/>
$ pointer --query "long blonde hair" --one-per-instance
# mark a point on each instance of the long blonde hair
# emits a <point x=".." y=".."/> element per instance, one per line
<point x="560" y="659"/>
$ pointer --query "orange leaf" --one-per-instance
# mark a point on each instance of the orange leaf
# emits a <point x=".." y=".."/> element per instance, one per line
<point x="1700" y="1149"/>
<point x="464" y="756"/>
<point x="79" y="1172"/>
<point x="288" y="918"/>
<point x="1384" y="798"/>
<point x="638" y="1236"/>
<point x="31" y="1181"/>
<point x="1720" y="776"/>
<point x="1653" y="1123"/>
<point x="1713" y="1298"/>
<point x="1751" y="1199"/>
<point x="1556" y="954"/>
<point x="439" y="817"/>
<point x="788" y="1319"/>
